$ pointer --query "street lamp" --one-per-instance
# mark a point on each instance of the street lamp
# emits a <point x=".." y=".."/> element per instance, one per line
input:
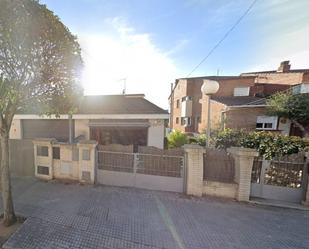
<point x="209" y="88"/>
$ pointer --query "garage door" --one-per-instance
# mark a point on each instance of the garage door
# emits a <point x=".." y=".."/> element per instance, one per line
<point x="58" y="129"/>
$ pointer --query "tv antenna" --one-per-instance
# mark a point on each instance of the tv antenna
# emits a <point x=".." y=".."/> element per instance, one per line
<point x="124" y="80"/>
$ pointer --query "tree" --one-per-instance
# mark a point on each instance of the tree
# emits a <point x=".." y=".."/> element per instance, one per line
<point x="40" y="63"/>
<point x="292" y="106"/>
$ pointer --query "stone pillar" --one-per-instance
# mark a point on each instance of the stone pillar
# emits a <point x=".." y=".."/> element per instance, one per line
<point x="243" y="169"/>
<point x="43" y="158"/>
<point x="87" y="161"/>
<point x="194" y="169"/>
<point x="306" y="180"/>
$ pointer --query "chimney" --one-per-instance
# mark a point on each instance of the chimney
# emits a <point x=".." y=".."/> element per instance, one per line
<point x="284" y="67"/>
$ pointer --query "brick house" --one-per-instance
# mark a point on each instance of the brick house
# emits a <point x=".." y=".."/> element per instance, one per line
<point x="239" y="103"/>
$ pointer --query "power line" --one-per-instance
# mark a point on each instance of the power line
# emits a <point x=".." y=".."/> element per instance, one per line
<point x="224" y="37"/>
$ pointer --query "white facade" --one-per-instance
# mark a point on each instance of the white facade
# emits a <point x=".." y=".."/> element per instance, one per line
<point x="16" y="129"/>
<point x="82" y="128"/>
<point x="156" y="133"/>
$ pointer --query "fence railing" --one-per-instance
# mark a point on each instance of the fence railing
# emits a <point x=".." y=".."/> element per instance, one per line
<point x="284" y="171"/>
<point x="218" y="166"/>
<point x="163" y="165"/>
<point x="115" y="161"/>
<point x="149" y="160"/>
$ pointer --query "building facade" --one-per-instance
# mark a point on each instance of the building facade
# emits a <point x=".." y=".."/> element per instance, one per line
<point x="239" y="103"/>
<point x="109" y="119"/>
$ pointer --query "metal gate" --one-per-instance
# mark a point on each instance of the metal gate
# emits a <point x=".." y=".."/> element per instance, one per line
<point x="148" y="171"/>
<point x="279" y="179"/>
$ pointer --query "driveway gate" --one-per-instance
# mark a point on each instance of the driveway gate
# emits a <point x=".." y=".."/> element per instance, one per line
<point x="279" y="179"/>
<point x="156" y="171"/>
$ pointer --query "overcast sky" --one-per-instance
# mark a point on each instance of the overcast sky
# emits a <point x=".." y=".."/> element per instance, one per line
<point x="153" y="42"/>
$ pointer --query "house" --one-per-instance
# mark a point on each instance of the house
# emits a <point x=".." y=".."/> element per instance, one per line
<point x="122" y="119"/>
<point x="239" y="103"/>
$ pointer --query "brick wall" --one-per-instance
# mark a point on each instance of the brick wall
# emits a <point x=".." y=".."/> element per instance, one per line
<point x="227" y="86"/>
<point x="215" y="114"/>
<point x="261" y="90"/>
<point x="306" y="77"/>
<point x="179" y="92"/>
<point x="244" y="118"/>
<point x="291" y="78"/>
<point x="192" y="87"/>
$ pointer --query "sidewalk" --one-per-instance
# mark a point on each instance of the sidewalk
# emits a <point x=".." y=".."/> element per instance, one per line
<point x="280" y="204"/>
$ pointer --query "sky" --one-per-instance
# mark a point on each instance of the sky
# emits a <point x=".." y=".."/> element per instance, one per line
<point x="145" y="45"/>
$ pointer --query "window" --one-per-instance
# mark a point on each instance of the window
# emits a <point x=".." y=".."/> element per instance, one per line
<point x="186" y="98"/>
<point x="177" y="120"/>
<point x="241" y="91"/>
<point x="186" y="121"/>
<point x="182" y="121"/>
<point x="56" y="152"/>
<point x="75" y="154"/>
<point x="42" y="150"/>
<point x="266" y="123"/>
<point x="43" y="170"/>
<point x="177" y="103"/>
<point x="86" y="155"/>
<point x="259" y="125"/>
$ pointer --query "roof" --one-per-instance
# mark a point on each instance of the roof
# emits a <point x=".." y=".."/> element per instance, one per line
<point x="112" y="104"/>
<point x="229" y="77"/>
<point x="275" y="71"/>
<point x="239" y="100"/>
<point x="118" y="104"/>
<point x="218" y="77"/>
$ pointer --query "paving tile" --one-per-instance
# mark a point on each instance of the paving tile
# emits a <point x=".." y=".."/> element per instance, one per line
<point x="74" y="216"/>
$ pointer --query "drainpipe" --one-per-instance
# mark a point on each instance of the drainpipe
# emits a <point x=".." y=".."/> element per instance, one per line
<point x="71" y="129"/>
<point x="223" y="116"/>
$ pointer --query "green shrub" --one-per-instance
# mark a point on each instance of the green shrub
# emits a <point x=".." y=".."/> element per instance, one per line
<point x="268" y="144"/>
<point x="176" y="139"/>
<point x="228" y="138"/>
<point x="201" y="140"/>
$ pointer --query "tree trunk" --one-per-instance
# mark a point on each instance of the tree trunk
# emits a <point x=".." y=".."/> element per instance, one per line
<point x="302" y="128"/>
<point x="9" y="217"/>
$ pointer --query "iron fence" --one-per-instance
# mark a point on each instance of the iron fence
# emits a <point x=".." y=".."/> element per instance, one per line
<point x="148" y="164"/>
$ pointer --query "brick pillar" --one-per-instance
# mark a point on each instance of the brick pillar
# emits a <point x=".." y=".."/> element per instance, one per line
<point x="194" y="169"/>
<point x="243" y="168"/>
<point x="306" y="180"/>
<point x="87" y="161"/>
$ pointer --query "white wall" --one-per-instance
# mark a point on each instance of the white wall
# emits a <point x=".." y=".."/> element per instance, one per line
<point x="284" y="126"/>
<point x="16" y="129"/>
<point x="156" y="133"/>
<point x="82" y="128"/>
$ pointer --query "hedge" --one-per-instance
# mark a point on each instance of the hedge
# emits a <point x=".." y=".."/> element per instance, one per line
<point x="268" y="144"/>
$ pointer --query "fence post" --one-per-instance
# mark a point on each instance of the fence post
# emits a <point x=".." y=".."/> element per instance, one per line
<point x="194" y="169"/>
<point x="306" y="171"/>
<point x="243" y="169"/>
<point x="87" y="160"/>
<point x="44" y="161"/>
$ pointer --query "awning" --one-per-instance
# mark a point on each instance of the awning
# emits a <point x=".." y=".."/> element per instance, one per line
<point x="119" y="123"/>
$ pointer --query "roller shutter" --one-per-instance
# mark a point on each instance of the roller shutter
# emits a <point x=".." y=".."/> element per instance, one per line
<point x="58" y="129"/>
